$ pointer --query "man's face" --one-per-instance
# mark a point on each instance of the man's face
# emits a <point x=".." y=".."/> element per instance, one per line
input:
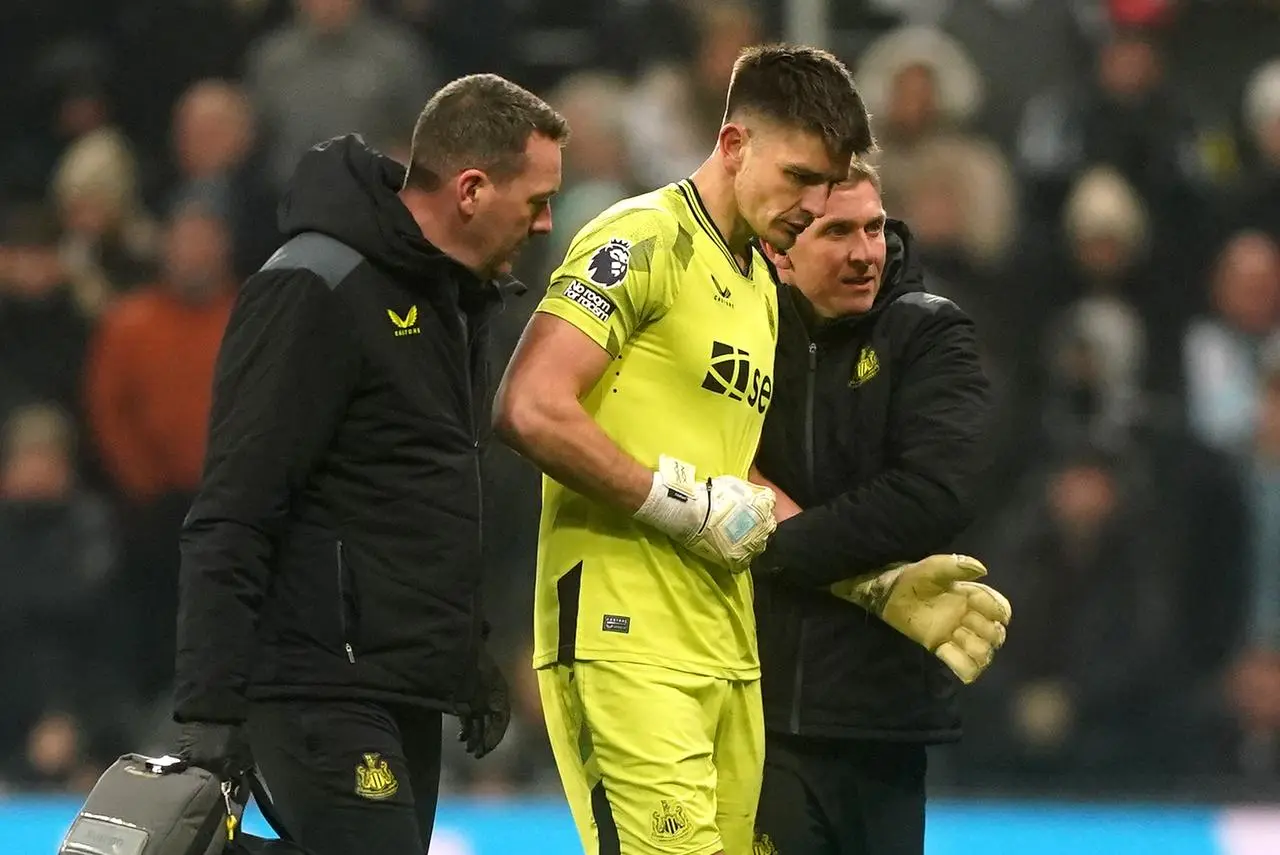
<point x="782" y="179"/>
<point x="197" y="258"/>
<point x="1129" y="67"/>
<point x="838" y="262"/>
<point x="508" y="213"/>
<point x="31" y="272"/>
<point x="328" y="16"/>
<point x="1104" y="255"/>
<point x="212" y="129"/>
<point x="37" y="474"/>
<point x="1082" y="496"/>
<point x="913" y="106"/>
<point x="1247" y="283"/>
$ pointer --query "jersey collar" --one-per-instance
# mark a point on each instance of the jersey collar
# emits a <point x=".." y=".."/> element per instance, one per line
<point x="699" y="210"/>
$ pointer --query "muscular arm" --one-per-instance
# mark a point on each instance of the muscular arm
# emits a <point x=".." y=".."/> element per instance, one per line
<point x="538" y="412"/>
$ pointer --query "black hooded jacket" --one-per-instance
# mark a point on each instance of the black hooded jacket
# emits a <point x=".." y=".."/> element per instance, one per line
<point x="877" y="430"/>
<point x="334" y="547"/>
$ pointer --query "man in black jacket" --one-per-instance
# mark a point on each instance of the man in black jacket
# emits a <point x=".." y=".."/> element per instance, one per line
<point x="876" y="430"/>
<point x="330" y="609"/>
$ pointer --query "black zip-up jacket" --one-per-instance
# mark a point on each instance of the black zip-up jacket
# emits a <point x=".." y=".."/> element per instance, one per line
<point x="334" y="548"/>
<point x="877" y="430"/>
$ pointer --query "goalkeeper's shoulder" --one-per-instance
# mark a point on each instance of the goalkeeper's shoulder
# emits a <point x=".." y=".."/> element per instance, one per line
<point x="648" y="217"/>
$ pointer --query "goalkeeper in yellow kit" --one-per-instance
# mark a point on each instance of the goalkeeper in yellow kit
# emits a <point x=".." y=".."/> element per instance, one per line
<point x="640" y="388"/>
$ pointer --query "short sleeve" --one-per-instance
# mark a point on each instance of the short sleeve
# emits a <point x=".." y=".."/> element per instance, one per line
<point x="617" y="276"/>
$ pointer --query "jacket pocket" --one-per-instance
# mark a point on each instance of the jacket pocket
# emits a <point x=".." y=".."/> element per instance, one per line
<point x="346" y="604"/>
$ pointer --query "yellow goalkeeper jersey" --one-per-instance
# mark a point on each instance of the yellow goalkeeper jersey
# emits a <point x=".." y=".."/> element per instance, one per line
<point x="653" y="282"/>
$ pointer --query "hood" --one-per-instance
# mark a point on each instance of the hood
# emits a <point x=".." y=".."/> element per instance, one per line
<point x="347" y="190"/>
<point x="903" y="269"/>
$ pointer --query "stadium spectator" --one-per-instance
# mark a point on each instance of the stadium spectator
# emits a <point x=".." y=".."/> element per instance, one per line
<point x="147" y="385"/>
<point x="926" y="93"/>
<point x="1222" y="352"/>
<point x="43" y="330"/>
<point x="109" y="240"/>
<point x="1126" y="114"/>
<point x="1062" y="705"/>
<point x="56" y="568"/>
<point x="1253" y="690"/>
<point x="337" y="67"/>
<point x="220" y="166"/>
<point x="151" y="363"/>
<point x="676" y="106"/>
<point x="1260" y="207"/>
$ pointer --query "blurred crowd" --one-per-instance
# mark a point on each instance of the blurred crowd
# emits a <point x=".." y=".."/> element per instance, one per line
<point x="1097" y="182"/>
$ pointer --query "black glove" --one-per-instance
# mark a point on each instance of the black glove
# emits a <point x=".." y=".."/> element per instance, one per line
<point x="222" y="749"/>
<point x="484" y="725"/>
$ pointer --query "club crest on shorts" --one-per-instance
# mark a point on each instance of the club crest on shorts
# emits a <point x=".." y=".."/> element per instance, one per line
<point x="374" y="779"/>
<point x="670" y="822"/>
<point x="763" y="845"/>
<point x="609" y="265"/>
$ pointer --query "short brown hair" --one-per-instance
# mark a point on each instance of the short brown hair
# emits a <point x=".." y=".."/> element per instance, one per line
<point x="481" y="121"/>
<point x="860" y="170"/>
<point x="802" y="87"/>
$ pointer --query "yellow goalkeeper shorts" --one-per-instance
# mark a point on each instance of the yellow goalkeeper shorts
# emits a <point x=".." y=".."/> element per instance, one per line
<point x="655" y="761"/>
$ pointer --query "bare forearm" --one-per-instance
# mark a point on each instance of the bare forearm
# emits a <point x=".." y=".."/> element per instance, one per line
<point x="784" y="507"/>
<point x="566" y="444"/>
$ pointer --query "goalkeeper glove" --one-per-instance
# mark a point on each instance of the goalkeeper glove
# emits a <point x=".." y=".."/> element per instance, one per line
<point x="725" y="520"/>
<point x="936" y="603"/>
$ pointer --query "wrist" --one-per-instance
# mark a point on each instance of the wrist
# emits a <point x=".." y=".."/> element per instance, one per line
<point x="671" y="506"/>
<point x="871" y="590"/>
<point x="879" y="589"/>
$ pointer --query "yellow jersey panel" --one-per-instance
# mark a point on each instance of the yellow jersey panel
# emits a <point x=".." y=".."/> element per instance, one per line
<point x="692" y="339"/>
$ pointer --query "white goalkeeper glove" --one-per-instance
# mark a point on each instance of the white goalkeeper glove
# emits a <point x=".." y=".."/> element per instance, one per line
<point x="725" y="520"/>
<point x="937" y="604"/>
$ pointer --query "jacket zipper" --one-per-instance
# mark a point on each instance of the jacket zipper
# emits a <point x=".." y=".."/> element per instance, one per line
<point x="810" y="382"/>
<point x="475" y="445"/>
<point x="471" y="415"/>
<point x="811" y="470"/>
<point x="342" y="607"/>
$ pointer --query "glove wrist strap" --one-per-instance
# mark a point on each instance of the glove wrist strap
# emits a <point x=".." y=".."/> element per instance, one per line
<point x="871" y="591"/>
<point x="671" y="506"/>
